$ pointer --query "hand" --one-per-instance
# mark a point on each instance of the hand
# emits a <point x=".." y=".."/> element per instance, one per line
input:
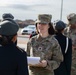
<point x="44" y="63"/>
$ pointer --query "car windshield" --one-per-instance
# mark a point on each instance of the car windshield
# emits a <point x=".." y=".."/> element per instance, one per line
<point x="31" y="27"/>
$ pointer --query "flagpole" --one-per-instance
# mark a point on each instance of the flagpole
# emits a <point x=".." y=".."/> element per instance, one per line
<point x="61" y="10"/>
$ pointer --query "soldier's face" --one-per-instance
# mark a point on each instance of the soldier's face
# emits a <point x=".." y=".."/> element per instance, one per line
<point x="73" y="26"/>
<point x="42" y="27"/>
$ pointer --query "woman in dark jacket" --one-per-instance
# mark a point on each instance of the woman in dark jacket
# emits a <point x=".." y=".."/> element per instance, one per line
<point x="65" y="66"/>
<point x="9" y="17"/>
<point x="13" y="60"/>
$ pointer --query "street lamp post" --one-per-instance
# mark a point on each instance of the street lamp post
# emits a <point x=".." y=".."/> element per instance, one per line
<point x="61" y="10"/>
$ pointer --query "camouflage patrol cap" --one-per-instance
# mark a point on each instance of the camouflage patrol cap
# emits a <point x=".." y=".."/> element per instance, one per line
<point x="44" y="18"/>
<point x="72" y="18"/>
<point x="8" y="28"/>
<point x="7" y="15"/>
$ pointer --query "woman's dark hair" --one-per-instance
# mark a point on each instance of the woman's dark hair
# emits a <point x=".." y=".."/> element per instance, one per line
<point x="59" y="30"/>
<point x="51" y="30"/>
<point x="36" y="29"/>
<point x="4" y="40"/>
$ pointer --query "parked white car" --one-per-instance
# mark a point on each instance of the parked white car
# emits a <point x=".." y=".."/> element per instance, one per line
<point x="28" y="30"/>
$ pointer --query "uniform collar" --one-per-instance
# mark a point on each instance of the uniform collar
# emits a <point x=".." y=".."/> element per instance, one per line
<point x="48" y="38"/>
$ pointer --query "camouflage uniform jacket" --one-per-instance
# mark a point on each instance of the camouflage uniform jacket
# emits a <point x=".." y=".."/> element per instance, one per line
<point x="71" y="33"/>
<point x="47" y="49"/>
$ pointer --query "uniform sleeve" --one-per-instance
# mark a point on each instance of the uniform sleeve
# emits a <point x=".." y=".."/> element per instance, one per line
<point x="22" y="64"/>
<point x="57" y="58"/>
<point x="28" y="48"/>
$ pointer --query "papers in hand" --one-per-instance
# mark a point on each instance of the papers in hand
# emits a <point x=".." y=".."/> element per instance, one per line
<point x="33" y="60"/>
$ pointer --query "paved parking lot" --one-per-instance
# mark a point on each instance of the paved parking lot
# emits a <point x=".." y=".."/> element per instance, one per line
<point x="22" y="41"/>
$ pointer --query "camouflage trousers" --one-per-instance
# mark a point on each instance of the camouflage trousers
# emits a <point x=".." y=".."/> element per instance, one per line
<point x="73" y="69"/>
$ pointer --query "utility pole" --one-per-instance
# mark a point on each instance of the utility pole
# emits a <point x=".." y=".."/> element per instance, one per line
<point x="61" y="10"/>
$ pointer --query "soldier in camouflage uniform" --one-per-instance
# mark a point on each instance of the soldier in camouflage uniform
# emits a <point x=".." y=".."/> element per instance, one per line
<point x="72" y="34"/>
<point x="45" y="46"/>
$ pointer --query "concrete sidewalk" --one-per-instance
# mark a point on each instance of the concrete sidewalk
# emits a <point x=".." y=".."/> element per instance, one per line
<point x="23" y="46"/>
<point x="26" y="36"/>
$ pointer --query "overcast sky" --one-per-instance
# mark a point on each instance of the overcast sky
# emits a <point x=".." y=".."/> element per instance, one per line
<point x="29" y="9"/>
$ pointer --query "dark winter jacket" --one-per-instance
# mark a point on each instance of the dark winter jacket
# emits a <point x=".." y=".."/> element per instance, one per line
<point x="13" y="60"/>
<point x="65" y="66"/>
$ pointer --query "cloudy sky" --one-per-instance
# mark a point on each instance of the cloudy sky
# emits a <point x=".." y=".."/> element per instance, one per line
<point x="29" y="9"/>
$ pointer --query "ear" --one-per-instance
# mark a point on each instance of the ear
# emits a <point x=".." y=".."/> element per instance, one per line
<point x="14" y="38"/>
